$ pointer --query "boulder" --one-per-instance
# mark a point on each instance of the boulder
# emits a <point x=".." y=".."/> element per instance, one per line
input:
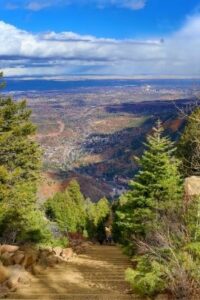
<point x="52" y="261"/>
<point x="43" y="253"/>
<point x="4" y="274"/>
<point x="18" y="257"/>
<point x="17" y="276"/>
<point x="67" y="253"/>
<point x="191" y="188"/>
<point x="58" y="251"/>
<point x="8" y="248"/>
<point x="30" y="259"/>
<point x="13" y="281"/>
<point x="7" y="258"/>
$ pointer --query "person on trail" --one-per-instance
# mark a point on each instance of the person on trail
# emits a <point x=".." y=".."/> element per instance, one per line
<point x="108" y="231"/>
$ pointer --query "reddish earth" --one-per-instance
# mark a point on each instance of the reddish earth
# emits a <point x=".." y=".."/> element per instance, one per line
<point x="52" y="183"/>
<point x="174" y="125"/>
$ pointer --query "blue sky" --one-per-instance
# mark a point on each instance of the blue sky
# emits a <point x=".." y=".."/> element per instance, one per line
<point x="111" y="37"/>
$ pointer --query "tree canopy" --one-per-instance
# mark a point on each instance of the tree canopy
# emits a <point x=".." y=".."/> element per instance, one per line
<point x="189" y="145"/>
<point x="155" y="188"/>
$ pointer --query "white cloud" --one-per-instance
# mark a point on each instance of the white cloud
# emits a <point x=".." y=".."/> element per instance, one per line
<point x="36" y="5"/>
<point x="24" y="53"/>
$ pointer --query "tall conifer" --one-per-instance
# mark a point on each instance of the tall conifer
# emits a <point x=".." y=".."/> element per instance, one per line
<point x="154" y="190"/>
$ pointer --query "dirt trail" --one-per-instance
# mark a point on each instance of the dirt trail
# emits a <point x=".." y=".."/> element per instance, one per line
<point x="97" y="274"/>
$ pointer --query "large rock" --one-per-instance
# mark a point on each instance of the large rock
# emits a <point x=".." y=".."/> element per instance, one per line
<point x="192" y="188"/>
<point x="52" y="260"/>
<point x="57" y="251"/>
<point x="4" y="274"/>
<point x="67" y="253"/>
<point x="18" y="257"/>
<point x="17" y="276"/>
<point x="30" y="259"/>
<point x="7" y="258"/>
<point x="8" y="248"/>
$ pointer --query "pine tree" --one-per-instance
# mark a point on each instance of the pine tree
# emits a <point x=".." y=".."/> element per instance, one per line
<point x="20" y="158"/>
<point x="63" y="210"/>
<point x="20" y="162"/>
<point x="97" y="214"/>
<point x="68" y="209"/>
<point x="77" y="197"/>
<point x="189" y="145"/>
<point x="155" y="189"/>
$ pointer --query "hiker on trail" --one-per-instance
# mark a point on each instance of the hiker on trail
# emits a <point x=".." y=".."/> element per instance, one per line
<point x="108" y="231"/>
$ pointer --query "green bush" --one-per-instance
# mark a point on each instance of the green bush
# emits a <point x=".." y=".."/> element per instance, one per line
<point x="148" y="278"/>
<point x="67" y="209"/>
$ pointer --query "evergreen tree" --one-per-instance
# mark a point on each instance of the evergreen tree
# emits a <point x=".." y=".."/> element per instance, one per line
<point x="79" y="200"/>
<point x="68" y="209"/>
<point x="97" y="214"/>
<point x="155" y="189"/>
<point x="189" y="145"/>
<point x="20" y="158"/>
<point x="20" y="162"/>
<point x="63" y="210"/>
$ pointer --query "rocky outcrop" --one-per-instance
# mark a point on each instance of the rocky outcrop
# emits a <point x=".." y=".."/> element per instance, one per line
<point x="191" y="188"/>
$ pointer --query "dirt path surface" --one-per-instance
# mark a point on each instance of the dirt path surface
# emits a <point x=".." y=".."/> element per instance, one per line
<point x="96" y="274"/>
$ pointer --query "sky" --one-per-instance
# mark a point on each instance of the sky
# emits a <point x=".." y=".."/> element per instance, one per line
<point x="100" y="37"/>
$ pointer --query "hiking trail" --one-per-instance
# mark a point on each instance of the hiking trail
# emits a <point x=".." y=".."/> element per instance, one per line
<point x="96" y="274"/>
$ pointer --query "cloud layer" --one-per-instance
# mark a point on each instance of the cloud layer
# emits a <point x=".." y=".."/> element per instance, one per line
<point x="23" y="53"/>
<point x="36" y="5"/>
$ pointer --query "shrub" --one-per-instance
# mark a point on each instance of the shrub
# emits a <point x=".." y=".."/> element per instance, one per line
<point x="148" y="279"/>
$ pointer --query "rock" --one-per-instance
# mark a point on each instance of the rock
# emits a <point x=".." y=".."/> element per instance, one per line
<point x="58" y="251"/>
<point x="8" y="248"/>
<point x="191" y="187"/>
<point x="43" y="253"/>
<point x="30" y="259"/>
<point x="4" y="274"/>
<point x="7" y="258"/>
<point x="18" y="257"/>
<point x="52" y="261"/>
<point x="17" y="275"/>
<point x="67" y="253"/>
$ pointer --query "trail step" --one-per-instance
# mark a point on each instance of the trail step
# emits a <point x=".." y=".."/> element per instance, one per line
<point x="98" y="274"/>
